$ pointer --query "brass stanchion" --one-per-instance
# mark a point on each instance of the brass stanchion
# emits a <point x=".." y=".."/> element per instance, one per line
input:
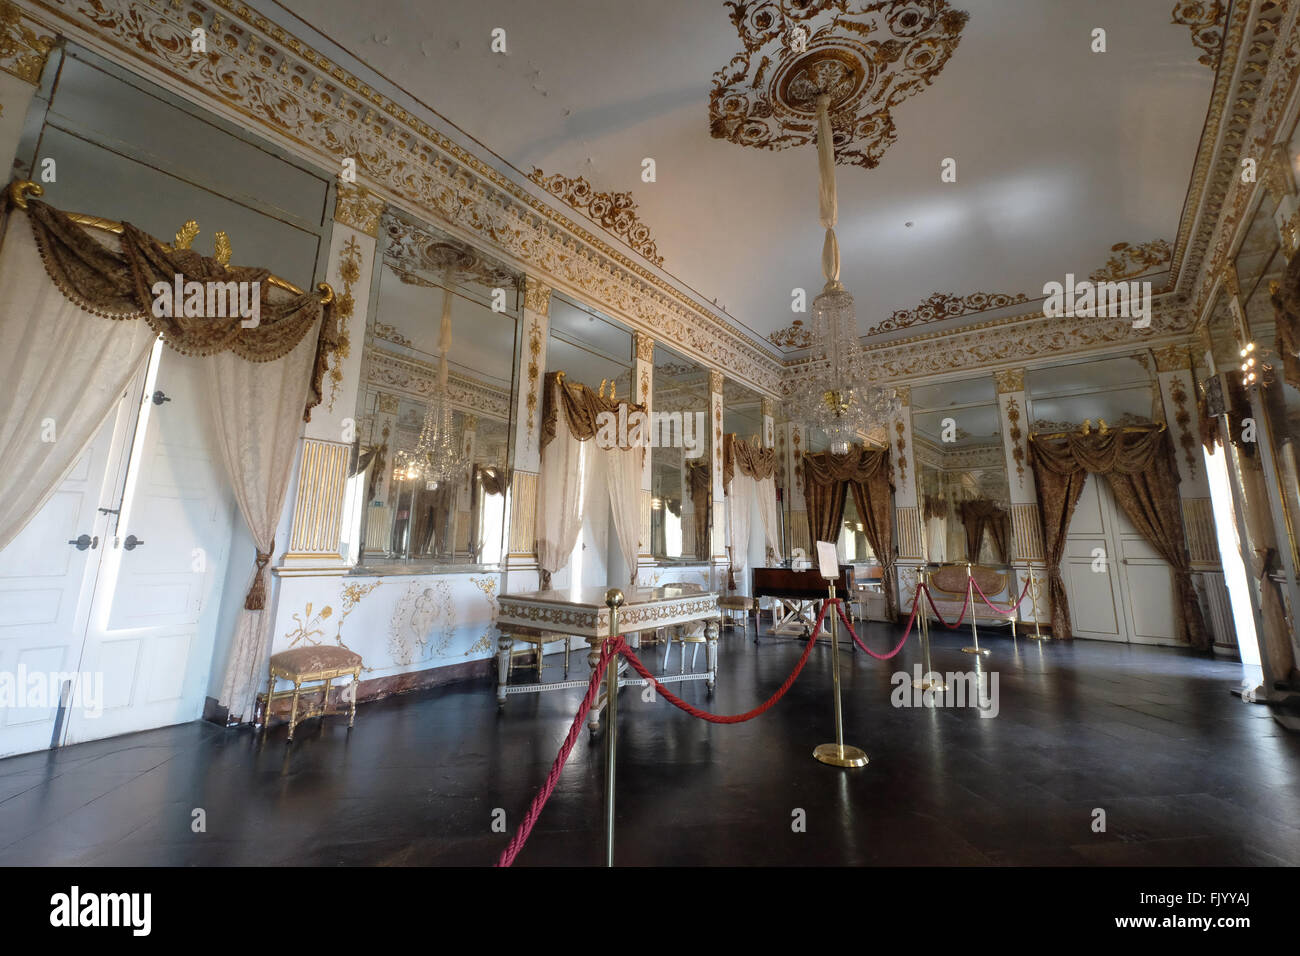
<point x="613" y="600"/>
<point x="927" y="682"/>
<point x="970" y="596"/>
<point x="837" y="754"/>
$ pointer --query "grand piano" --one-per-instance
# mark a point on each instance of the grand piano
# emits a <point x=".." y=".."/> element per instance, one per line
<point x="797" y="595"/>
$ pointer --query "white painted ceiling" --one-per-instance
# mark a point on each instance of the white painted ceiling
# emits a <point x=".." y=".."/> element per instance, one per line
<point x="1061" y="152"/>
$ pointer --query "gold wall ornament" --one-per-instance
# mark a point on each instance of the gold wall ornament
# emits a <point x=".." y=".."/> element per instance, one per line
<point x="943" y="305"/>
<point x="868" y="60"/>
<point x="615" y="212"/>
<point x="186" y="234"/>
<point x="349" y="272"/>
<point x="1173" y="358"/>
<point x="901" y="445"/>
<point x="23" y="50"/>
<point x="1206" y="19"/>
<point x="534" y="369"/>
<point x="1015" y="434"/>
<point x="1129" y="260"/>
<point x="796" y="335"/>
<point x="1009" y="380"/>
<point x="355" y="206"/>
<point x="1183" y="417"/>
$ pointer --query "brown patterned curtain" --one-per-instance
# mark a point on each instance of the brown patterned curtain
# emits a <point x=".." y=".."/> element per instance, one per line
<point x="752" y="460"/>
<point x="494" y="480"/>
<point x="1142" y="473"/>
<point x="972" y="521"/>
<point x="1000" y="527"/>
<point x="116" y="282"/>
<point x="698" y="480"/>
<point x="583" y="407"/>
<point x="827" y="480"/>
<point x="979" y="515"/>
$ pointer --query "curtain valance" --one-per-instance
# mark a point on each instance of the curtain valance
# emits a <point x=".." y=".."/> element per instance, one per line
<point x="860" y="464"/>
<point x="494" y="480"/>
<point x="1123" y="452"/>
<point x="583" y="409"/>
<point x="115" y="279"/>
<point x="935" y="506"/>
<point x="752" y="461"/>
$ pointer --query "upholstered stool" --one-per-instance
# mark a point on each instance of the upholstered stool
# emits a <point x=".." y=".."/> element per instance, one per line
<point x="729" y="604"/>
<point x="539" y="640"/>
<point x="308" y="665"/>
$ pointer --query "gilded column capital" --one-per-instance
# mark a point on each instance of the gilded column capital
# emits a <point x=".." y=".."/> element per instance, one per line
<point x="645" y="347"/>
<point x="354" y="206"/>
<point x="23" y="48"/>
<point x="537" y="296"/>
<point x="470" y="423"/>
<point x="1230" y="279"/>
<point x="766" y="407"/>
<point x="904" y="393"/>
<point x="1010" y="380"/>
<point x="1173" y="358"/>
<point x="715" y="382"/>
<point x="1278" y="181"/>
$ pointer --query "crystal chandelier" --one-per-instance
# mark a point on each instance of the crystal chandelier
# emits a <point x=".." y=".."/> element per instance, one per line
<point x="837" y="397"/>
<point x="437" y="458"/>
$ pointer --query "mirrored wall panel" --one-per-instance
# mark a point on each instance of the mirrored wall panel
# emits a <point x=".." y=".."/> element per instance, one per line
<point x="435" y="403"/>
<point x="680" y="498"/>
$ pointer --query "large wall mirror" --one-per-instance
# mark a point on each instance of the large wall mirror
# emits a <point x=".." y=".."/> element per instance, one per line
<point x="410" y="514"/>
<point x="965" y="500"/>
<point x="680" y="488"/>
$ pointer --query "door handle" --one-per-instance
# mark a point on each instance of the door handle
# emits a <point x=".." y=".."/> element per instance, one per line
<point x="84" y="541"/>
<point x="131" y="542"/>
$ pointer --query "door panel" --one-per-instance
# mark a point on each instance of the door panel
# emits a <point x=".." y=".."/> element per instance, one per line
<point x="1092" y="586"/>
<point x="153" y="623"/>
<point x="45" y="591"/>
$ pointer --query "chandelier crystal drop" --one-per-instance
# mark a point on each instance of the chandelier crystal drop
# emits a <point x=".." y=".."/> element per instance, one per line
<point x="438" y="458"/>
<point x="837" y="396"/>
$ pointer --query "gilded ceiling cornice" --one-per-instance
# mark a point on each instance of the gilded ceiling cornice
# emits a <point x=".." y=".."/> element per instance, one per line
<point x="1205" y="19"/>
<point x="260" y="74"/>
<point x="1127" y="260"/>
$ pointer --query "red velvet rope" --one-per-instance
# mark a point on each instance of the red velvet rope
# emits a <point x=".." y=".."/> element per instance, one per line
<point x="916" y="598"/>
<point x="607" y="650"/>
<point x="994" y="607"/>
<point x="952" y="627"/>
<point x="730" y="718"/>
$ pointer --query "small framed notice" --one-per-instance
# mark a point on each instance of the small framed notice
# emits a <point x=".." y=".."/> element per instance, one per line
<point x="827" y="562"/>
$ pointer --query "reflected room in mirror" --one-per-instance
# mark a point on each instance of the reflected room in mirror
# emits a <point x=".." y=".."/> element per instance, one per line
<point x="965" y="500"/>
<point x="433" y="421"/>
<point x="680" y="498"/>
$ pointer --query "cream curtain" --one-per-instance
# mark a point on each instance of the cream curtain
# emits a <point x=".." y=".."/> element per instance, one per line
<point x="559" y="499"/>
<point x="623" y="478"/>
<point x="256" y="409"/>
<point x="62" y="373"/>
<point x="936" y="538"/>
<point x="766" y="491"/>
<point x="740" y="496"/>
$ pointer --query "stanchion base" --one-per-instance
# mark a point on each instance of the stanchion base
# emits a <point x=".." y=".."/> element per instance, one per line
<point x="1038" y="637"/>
<point x="975" y="650"/>
<point x="938" y="686"/>
<point x="838" y="756"/>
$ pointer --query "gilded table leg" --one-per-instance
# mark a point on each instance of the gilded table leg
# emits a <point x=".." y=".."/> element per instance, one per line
<point x="355" y="688"/>
<point x="325" y="699"/>
<point x="504" y="643"/>
<point x="711" y="634"/>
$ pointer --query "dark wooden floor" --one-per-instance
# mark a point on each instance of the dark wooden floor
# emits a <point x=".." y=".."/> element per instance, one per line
<point x="1185" y="772"/>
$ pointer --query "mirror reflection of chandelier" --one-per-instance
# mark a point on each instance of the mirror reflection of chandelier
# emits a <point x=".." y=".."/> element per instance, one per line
<point x="837" y="396"/>
<point x="438" y="458"/>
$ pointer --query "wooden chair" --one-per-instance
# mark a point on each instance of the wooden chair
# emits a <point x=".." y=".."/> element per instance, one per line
<point x="729" y="604"/>
<point x="309" y="665"/>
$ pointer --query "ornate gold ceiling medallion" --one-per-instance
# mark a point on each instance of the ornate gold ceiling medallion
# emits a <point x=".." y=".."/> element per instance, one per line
<point x="1128" y="260"/>
<point x="1206" y="19"/>
<point x="411" y="248"/>
<point x="869" y="58"/>
<point x="615" y="211"/>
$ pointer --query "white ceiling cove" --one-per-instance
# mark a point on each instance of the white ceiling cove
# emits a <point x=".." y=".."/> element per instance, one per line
<point x="1061" y="153"/>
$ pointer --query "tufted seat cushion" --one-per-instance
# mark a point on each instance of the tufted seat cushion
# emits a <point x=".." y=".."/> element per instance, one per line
<point x="735" y="602"/>
<point x="302" y="662"/>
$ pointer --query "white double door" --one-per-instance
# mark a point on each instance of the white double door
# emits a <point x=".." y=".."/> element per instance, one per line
<point x="109" y="597"/>
<point x="1119" y="587"/>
